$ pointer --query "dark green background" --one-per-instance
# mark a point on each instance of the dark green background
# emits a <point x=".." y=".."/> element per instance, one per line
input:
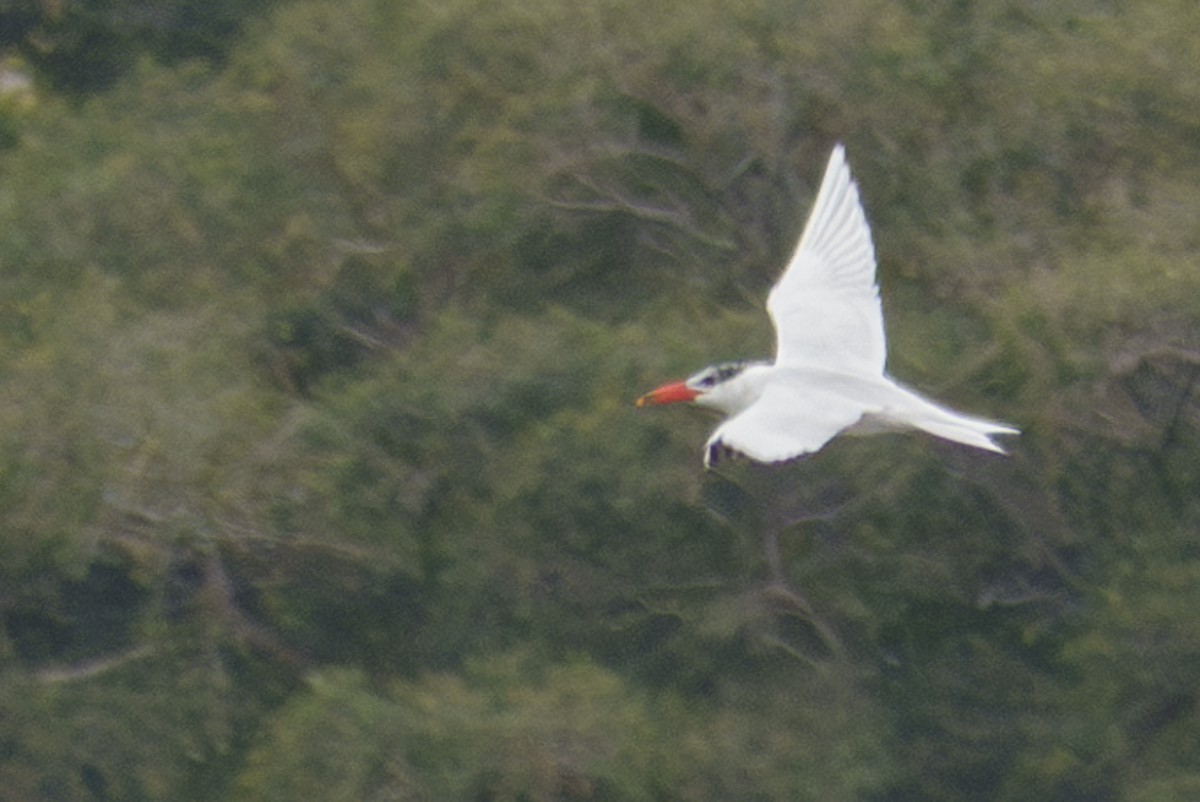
<point x="320" y="324"/>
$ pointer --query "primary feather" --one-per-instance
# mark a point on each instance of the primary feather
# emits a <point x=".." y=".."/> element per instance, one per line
<point x="826" y="305"/>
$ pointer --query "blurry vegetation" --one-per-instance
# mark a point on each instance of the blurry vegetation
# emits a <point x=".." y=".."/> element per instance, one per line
<point x="319" y="478"/>
<point x="81" y="46"/>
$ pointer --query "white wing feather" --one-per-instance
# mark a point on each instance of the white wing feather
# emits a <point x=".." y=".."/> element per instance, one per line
<point x="826" y="306"/>
<point x="791" y="418"/>
<point x="800" y="410"/>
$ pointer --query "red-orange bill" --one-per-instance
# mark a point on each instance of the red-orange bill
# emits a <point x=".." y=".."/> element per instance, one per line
<point x="672" y="393"/>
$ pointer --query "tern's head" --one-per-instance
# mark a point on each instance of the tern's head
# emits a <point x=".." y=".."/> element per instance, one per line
<point x="698" y="387"/>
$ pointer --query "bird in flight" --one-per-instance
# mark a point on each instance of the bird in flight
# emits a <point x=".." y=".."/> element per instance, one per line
<point x="828" y="376"/>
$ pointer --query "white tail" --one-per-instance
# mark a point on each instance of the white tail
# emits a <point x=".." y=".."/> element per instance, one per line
<point x="947" y="424"/>
<point x="907" y="408"/>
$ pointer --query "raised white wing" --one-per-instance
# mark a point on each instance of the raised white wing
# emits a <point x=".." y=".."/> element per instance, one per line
<point x="791" y="418"/>
<point x="826" y="306"/>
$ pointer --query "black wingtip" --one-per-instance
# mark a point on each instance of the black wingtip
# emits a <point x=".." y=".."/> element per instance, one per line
<point x="718" y="452"/>
<point x="713" y="455"/>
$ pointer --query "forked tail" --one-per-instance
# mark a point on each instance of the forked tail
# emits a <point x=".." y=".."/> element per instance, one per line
<point x="950" y="425"/>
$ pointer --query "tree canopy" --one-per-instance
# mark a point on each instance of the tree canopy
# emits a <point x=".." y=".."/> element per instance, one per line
<point x="320" y="325"/>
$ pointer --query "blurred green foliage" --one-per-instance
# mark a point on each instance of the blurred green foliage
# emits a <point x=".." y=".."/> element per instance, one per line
<point x="83" y="46"/>
<point x="513" y="727"/>
<point x="319" y="476"/>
